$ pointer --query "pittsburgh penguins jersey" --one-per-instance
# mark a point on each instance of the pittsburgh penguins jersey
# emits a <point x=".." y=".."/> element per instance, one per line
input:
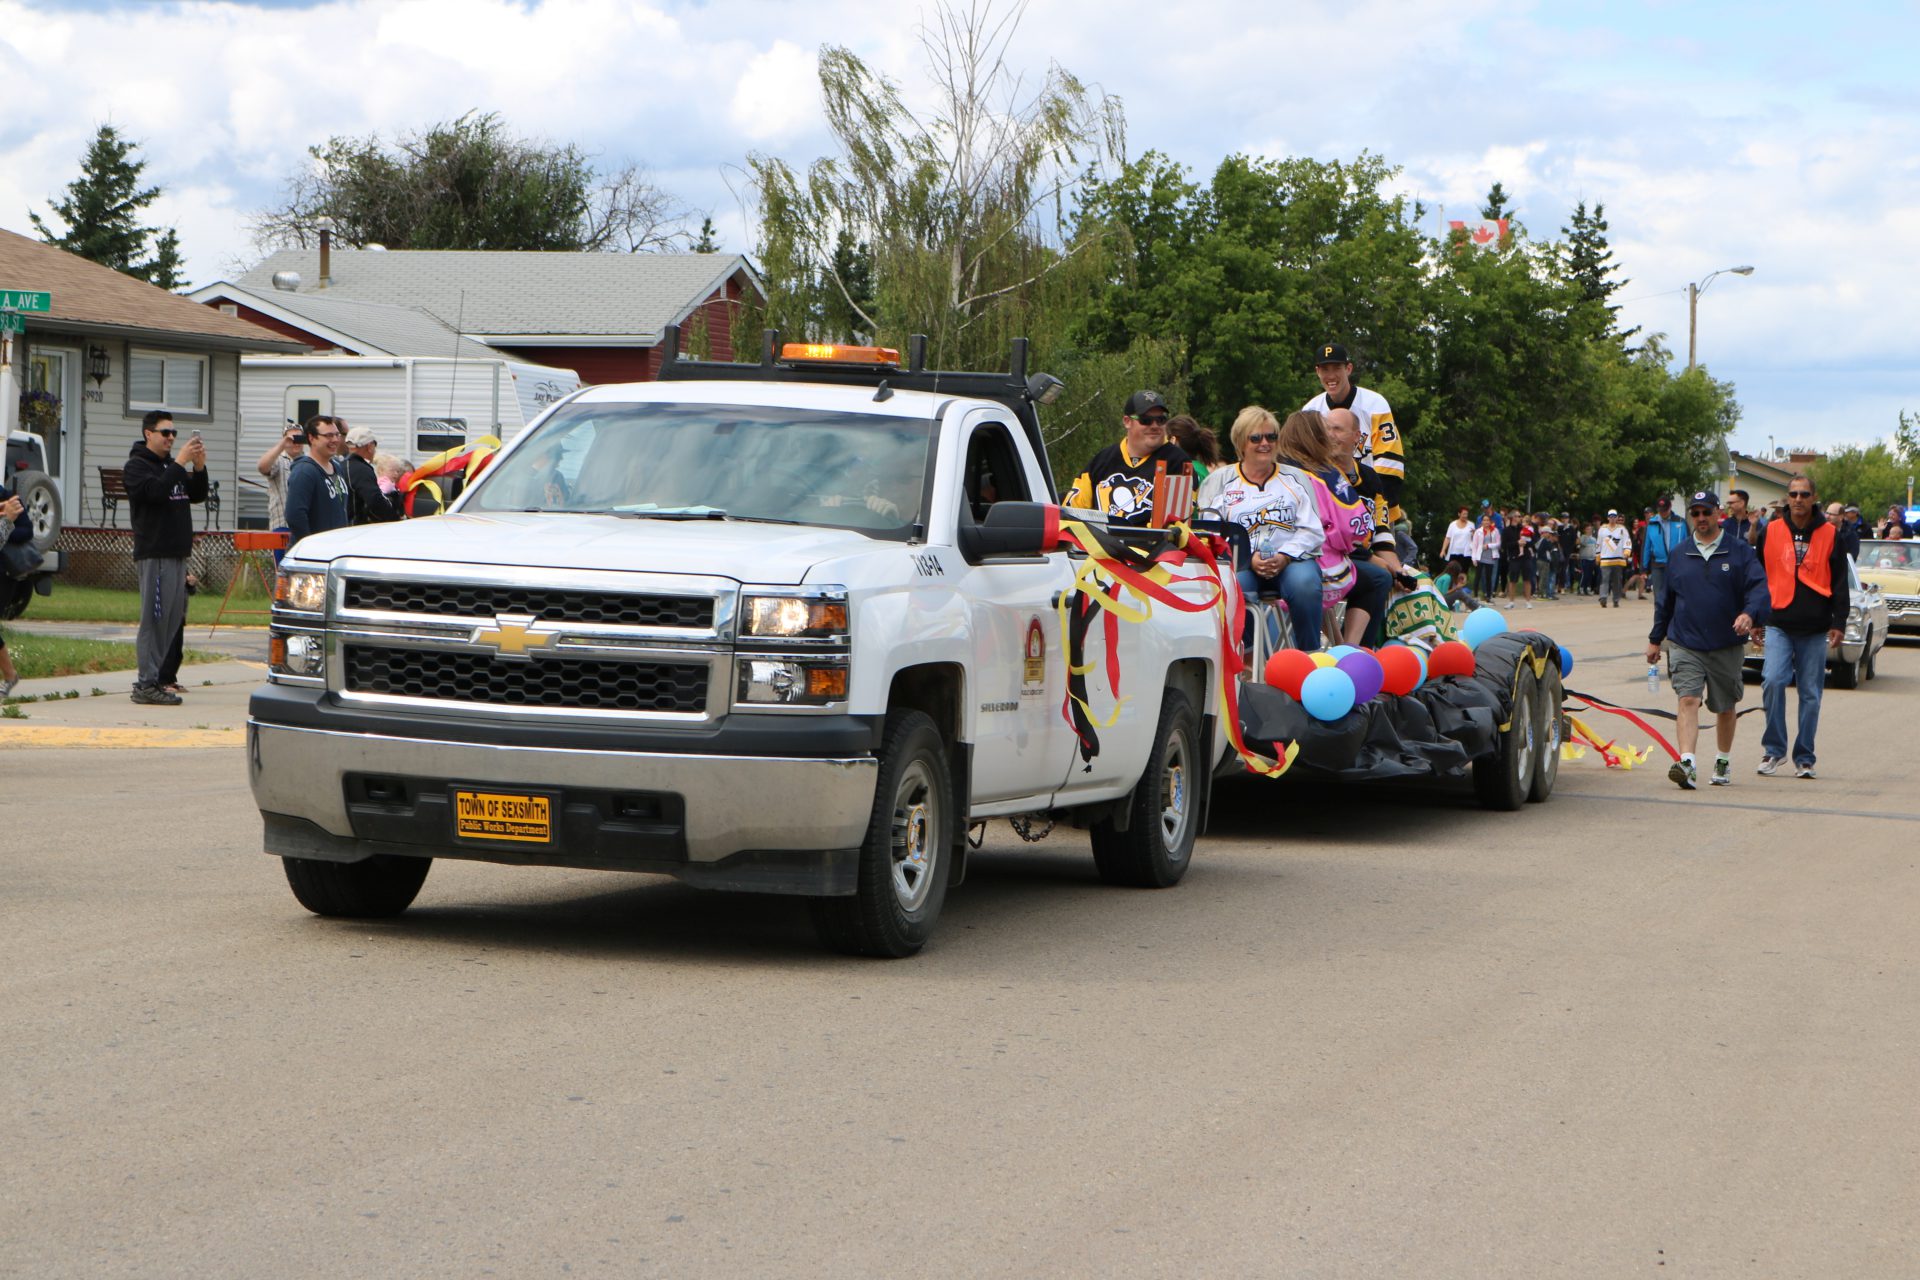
<point x="1282" y="512"/>
<point x="1380" y="444"/>
<point x="1122" y="486"/>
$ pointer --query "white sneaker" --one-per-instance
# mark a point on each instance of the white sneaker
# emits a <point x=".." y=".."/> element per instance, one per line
<point x="1803" y="771"/>
<point x="1529" y="604"/>
<point x="1768" y="766"/>
<point x="1722" y="773"/>
<point x="6" y="687"/>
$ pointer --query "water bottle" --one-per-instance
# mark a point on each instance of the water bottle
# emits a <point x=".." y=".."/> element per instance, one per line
<point x="1653" y="679"/>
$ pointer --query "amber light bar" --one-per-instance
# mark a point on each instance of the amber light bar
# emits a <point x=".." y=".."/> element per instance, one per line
<point x="826" y="351"/>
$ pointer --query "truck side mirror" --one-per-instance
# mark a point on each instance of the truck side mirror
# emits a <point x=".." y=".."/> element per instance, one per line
<point x="1011" y="529"/>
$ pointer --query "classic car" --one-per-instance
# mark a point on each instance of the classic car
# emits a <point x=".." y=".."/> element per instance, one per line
<point x="1894" y="567"/>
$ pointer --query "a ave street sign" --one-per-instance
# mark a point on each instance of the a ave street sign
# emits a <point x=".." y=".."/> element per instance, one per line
<point x="25" y="300"/>
<point x="12" y="322"/>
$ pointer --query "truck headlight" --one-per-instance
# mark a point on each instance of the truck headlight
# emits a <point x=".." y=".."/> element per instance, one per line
<point x="306" y="592"/>
<point x="296" y="655"/>
<point x="793" y="682"/>
<point x="794" y="617"/>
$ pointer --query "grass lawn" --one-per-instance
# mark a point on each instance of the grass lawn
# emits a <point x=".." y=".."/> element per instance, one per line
<point x="37" y="656"/>
<point x="102" y="604"/>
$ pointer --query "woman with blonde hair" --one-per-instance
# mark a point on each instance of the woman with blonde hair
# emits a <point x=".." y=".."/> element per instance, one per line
<point x="1277" y="506"/>
<point x="1347" y="519"/>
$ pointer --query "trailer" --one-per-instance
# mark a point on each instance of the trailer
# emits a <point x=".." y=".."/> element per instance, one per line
<point x="417" y="405"/>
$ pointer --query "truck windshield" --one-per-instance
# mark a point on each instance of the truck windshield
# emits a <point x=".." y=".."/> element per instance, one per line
<point x="860" y="471"/>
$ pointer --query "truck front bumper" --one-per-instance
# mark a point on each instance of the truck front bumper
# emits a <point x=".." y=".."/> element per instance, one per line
<point x="756" y="823"/>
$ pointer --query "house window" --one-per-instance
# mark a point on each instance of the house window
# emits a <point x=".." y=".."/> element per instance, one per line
<point x="167" y="380"/>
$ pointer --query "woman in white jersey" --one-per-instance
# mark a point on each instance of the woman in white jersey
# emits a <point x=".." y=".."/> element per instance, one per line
<point x="1276" y="504"/>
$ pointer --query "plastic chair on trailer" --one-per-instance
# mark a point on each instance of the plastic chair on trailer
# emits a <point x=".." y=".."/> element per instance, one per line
<point x="1272" y="622"/>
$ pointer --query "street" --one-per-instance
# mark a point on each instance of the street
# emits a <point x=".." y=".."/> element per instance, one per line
<point x="1374" y="1032"/>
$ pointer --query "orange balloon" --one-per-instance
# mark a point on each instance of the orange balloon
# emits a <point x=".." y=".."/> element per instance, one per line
<point x="1451" y="659"/>
<point x="1402" y="666"/>
<point x="1287" y="668"/>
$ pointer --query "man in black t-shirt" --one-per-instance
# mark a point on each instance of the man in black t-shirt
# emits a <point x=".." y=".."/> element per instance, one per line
<point x="1119" y="480"/>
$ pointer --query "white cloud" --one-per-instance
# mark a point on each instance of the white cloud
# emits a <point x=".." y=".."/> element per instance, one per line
<point x="777" y="97"/>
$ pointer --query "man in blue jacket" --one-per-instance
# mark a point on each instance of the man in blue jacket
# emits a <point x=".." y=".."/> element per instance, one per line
<point x="1712" y="596"/>
<point x="1665" y="532"/>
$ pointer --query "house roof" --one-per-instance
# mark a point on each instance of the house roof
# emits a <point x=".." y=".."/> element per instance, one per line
<point x="359" y="328"/>
<point x="1778" y="472"/>
<point x="90" y="298"/>
<point x="517" y="297"/>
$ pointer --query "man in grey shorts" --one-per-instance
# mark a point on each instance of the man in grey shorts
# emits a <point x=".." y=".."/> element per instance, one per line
<point x="1712" y="596"/>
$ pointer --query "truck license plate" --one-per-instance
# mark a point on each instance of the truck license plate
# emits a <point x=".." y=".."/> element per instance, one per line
<point x="502" y="815"/>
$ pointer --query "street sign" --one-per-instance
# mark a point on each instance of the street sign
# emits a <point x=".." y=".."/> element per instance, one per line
<point x="25" y="300"/>
<point x="12" y="322"/>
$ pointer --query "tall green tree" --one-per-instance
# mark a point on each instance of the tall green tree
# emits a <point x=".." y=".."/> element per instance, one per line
<point x="102" y="212"/>
<point x="1587" y="261"/>
<point x="1872" y="477"/>
<point x="471" y="183"/>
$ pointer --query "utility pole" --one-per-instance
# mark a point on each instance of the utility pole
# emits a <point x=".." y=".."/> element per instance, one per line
<point x="1693" y="309"/>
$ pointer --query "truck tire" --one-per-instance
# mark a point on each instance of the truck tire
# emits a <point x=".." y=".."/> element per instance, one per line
<point x="1552" y="722"/>
<point x="1503" y="777"/>
<point x="1154" y="850"/>
<point x="42" y="502"/>
<point x="383" y="885"/>
<point x="903" y="862"/>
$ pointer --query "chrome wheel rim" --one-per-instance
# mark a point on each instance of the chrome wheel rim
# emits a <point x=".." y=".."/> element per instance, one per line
<point x="40" y="514"/>
<point x="1523" y="753"/>
<point x="1176" y="796"/>
<point x="916" y="823"/>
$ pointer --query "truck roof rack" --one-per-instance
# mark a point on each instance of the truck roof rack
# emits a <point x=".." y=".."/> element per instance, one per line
<point x="1012" y="388"/>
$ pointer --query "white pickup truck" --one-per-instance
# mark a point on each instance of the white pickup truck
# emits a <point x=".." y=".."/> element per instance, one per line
<point x="752" y="626"/>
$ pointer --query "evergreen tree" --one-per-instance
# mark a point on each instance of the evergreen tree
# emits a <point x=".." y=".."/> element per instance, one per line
<point x="1587" y="260"/>
<point x="706" y="242"/>
<point x="102" y="213"/>
<point x="1496" y="206"/>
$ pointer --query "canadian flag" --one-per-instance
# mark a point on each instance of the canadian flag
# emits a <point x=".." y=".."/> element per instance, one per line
<point x="1483" y="235"/>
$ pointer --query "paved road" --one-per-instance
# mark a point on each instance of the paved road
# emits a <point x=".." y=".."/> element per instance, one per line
<point x="1631" y="1031"/>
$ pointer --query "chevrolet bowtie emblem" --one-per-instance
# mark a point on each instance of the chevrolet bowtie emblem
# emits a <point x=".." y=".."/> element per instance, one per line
<point x="513" y="637"/>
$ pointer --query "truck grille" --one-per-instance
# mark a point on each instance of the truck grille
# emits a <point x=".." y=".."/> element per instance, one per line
<point x="562" y="684"/>
<point x="459" y="600"/>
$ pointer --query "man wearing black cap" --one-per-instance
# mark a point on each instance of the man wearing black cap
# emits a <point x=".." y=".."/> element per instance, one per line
<point x="1119" y="480"/>
<point x="1711" y="597"/>
<point x="1380" y="444"/>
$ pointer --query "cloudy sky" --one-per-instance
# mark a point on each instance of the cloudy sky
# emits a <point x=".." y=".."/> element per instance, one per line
<point x="1782" y="136"/>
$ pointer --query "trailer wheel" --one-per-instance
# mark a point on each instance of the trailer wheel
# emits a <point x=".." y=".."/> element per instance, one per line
<point x="903" y="861"/>
<point x="1503" y="777"/>
<point x="1163" y="819"/>
<point x="383" y="885"/>
<point x="1552" y="721"/>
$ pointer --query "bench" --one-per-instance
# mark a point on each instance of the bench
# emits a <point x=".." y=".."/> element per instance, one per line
<point x="113" y="492"/>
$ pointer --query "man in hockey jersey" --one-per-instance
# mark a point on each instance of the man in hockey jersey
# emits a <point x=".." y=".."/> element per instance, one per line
<point x="1343" y="425"/>
<point x="1119" y="480"/>
<point x="1380" y="444"/>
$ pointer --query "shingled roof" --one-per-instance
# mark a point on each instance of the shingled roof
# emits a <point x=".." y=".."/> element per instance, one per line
<point x="500" y="296"/>
<point x="361" y="328"/>
<point x="90" y="298"/>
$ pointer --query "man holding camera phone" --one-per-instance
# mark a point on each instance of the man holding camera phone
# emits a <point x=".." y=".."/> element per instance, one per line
<point x="274" y="464"/>
<point x="161" y="490"/>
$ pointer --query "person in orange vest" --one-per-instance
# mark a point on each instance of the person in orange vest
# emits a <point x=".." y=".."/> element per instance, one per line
<point x="1807" y="583"/>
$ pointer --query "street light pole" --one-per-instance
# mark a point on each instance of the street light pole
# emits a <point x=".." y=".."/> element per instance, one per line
<point x="1693" y="308"/>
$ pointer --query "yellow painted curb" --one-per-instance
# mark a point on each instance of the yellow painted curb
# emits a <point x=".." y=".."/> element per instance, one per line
<point x="22" y="737"/>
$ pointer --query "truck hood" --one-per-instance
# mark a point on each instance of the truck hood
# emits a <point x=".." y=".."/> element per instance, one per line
<point x="746" y="552"/>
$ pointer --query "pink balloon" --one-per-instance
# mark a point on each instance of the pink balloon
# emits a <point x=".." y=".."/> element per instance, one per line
<point x="1366" y="673"/>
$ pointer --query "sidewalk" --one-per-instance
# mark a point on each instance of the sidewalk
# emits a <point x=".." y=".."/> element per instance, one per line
<point x="213" y="710"/>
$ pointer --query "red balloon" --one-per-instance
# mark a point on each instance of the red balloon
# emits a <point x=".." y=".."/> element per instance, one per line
<point x="1451" y="659"/>
<point x="1287" y="668"/>
<point x="1402" y="668"/>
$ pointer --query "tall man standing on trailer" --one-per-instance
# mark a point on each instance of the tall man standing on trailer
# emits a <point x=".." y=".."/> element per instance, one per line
<point x="1381" y="447"/>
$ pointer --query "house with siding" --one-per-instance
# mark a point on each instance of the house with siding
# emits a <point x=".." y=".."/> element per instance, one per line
<point x="602" y="315"/>
<point x="112" y="347"/>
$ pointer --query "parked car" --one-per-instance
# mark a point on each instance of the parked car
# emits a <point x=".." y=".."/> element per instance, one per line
<point x="26" y="472"/>
<point x="1894" y="568"/>
<point x="1850" y="663"/>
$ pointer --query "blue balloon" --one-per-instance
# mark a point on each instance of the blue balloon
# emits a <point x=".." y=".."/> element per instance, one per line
<point x="1566" y="662"/>
<point x="1327" y="694"/>
<point x="1482" y="624"/>
<point x="1340" y="651"/>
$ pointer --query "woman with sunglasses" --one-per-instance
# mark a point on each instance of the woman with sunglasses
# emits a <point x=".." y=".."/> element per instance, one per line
<point x="1281" y="514"/>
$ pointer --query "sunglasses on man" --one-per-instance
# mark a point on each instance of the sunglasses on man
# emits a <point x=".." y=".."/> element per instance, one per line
<point x="168" y="432"/>
<point x="1153" y="420"/>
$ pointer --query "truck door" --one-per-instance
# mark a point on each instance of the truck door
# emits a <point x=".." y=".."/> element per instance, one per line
<point x="1021" y="744"/>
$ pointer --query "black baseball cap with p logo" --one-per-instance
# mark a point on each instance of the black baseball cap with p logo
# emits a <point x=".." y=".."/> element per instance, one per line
<point x="1331" y="353"/>
<point x="1141" y="403"/>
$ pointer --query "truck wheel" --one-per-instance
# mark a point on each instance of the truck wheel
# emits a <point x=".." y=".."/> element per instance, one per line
<point x="1503" y="777"/>
<point x="1552" y="722"/>
<point x="903" y="862"/>
<point x="383" y="885"/>
<point x="42" y="502"/>
<point x="1157" y="845"/>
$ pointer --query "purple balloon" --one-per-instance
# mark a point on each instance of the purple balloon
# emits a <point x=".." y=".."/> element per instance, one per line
<point x="1366" y="673"/>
